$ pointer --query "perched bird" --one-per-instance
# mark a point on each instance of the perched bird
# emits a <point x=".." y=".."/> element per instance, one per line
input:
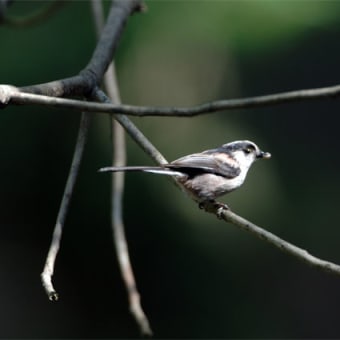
<point x="208" y="174"/>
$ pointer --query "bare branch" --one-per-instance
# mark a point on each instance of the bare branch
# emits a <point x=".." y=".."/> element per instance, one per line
<point x="46" y="275"/>
<point x="117" y="187"/>
<point x="12" y="95"/>
<point x="301" y="254"/>
<point x="93" y="73"/>
<point x="118" y="226"/>
<point x="109" y="37"/>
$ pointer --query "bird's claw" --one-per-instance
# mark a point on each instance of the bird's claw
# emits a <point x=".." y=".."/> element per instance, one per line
<point x="220" y="207"/>
<point x="214" y="207"/>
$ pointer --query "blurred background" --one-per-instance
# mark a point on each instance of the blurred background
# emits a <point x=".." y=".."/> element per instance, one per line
<point x="198" y="277"/>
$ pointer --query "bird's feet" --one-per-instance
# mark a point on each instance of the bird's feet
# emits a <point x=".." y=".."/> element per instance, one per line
<point x="213" y="207"/>
<point x="220" y="208"/>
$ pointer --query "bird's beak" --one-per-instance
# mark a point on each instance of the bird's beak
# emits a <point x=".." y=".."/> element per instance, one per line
<point x="264" y="155"/>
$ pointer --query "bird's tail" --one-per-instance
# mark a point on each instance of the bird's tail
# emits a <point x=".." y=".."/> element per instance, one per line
<point x="153" y="169"/>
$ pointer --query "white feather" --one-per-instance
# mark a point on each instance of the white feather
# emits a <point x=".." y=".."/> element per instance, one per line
<point x="165" y="172"/>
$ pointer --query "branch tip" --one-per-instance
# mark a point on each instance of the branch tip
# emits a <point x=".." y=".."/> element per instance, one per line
<point x="53" y="296"/>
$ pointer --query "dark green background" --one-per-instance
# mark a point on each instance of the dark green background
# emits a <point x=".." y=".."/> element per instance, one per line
<point x="198" y="277"/>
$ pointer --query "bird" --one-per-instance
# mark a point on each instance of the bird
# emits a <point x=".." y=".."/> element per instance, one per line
<point x="209" y="174"/>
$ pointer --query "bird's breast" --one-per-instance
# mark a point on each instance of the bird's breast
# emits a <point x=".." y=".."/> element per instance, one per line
<point x="210" y="186"/>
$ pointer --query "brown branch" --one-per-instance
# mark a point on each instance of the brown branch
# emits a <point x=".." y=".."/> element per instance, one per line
<point x="117" y="188"/>
<point x="46" y="275"/>
<point x="119" y="235"/>
<point x="299" y="253"/>
<point x="109" y="37"/>
<point x="93" y="73"/>
<point x="81" y="84"/>
<point x="12" y="95"/>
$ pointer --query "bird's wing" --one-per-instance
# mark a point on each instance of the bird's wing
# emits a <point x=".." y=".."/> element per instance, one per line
<point x="218" y="163"/>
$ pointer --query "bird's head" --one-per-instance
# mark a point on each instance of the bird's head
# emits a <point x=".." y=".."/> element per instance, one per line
<point x="245" y="152"/>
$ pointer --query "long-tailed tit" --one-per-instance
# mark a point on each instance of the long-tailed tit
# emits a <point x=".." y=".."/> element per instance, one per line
<point x="211" y="173"/>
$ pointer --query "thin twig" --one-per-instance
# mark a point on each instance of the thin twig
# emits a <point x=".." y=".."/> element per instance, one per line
<point x="119" y="159"/>
<point x="117" y="187"/>
<point x="12" y="95"/>
<point x="301" y="254"/>
<point x="46" y="275"/>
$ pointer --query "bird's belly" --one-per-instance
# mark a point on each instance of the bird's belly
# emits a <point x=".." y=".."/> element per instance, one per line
<point x="209" y="186"/>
